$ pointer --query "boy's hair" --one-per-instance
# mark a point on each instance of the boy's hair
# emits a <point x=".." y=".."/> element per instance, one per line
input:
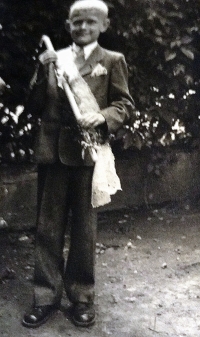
<point x="88" y="4"/>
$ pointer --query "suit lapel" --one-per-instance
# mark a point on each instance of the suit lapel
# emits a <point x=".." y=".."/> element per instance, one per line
<point x="93" y="59"/>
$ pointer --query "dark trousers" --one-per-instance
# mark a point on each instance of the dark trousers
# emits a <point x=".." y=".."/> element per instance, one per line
<point x="62" y="189"/>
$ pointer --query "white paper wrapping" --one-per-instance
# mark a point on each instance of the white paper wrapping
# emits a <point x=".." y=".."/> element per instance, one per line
<point x="105" y="179"/>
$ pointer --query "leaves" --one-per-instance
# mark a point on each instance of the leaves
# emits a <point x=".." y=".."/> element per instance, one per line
<point x="188" y="53"/>
<point x="169" y="55"/>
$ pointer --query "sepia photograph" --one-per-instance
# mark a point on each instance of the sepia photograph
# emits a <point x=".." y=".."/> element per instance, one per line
<point x="100" y="168"/>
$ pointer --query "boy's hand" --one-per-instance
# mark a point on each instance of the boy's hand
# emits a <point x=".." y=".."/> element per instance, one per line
<point x="48" y="56"/>
<point x="91" y="120"/>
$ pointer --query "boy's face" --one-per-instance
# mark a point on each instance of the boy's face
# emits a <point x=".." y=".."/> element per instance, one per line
<point x="86" y="26"/>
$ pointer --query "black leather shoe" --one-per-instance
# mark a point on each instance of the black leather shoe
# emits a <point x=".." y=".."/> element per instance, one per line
<point x="83" y="314"/>
<point x="38" y="315"/>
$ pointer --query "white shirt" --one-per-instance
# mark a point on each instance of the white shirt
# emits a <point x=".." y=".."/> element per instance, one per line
<point x="69" y="54"/>
<point x="88" y="49"/>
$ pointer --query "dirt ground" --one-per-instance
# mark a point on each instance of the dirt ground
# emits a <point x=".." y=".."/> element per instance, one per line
<point x="147" y="277"/>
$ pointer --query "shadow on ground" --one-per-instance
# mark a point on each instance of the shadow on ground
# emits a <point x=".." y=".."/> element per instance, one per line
<point x="147" y="277"/>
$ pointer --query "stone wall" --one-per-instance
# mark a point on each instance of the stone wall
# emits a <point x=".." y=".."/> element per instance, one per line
<point x="179" y="180"/>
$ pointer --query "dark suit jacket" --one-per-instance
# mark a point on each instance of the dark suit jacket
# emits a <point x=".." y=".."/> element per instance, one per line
<point x="111" y="91"/>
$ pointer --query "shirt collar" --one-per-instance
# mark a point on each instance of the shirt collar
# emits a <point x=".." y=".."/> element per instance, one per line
<point x="86" y="49"/>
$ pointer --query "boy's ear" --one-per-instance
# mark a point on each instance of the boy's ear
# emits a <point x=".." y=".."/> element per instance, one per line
<point x="105" y="25"/>
<point x="67" y="25"/>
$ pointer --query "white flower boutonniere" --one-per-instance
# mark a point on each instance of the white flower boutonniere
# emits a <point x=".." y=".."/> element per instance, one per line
<point x="99" y="70"/>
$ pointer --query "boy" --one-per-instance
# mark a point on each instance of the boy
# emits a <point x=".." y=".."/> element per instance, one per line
<point x="64" y="177"/>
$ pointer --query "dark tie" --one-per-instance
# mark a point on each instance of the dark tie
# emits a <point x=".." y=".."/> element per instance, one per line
<point x="79" y="58"/>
